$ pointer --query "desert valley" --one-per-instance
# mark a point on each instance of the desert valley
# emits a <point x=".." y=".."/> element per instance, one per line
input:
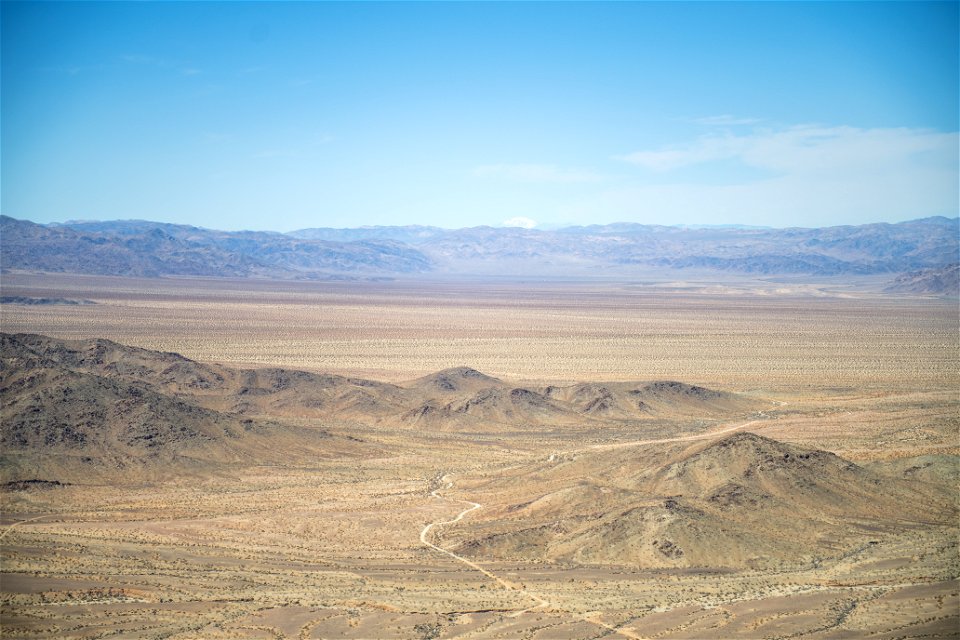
<point x="480" y="320"/>
<point x="739" y="456"/>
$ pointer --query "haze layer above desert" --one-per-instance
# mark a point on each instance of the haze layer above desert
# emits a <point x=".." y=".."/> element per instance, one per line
<point x="705" y="456"/>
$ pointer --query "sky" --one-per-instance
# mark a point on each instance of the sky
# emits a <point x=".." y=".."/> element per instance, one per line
<point x="285" y="116"/>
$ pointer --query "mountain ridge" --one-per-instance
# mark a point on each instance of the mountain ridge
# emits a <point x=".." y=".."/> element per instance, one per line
<point x="66" y="401"/>
<point x="144" y="248"/>
<point x="140" y="248"/>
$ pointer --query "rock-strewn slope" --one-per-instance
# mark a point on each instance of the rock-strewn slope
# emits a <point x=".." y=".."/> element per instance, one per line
<point x="743" y="501"/>
<point x="106" y="405"/>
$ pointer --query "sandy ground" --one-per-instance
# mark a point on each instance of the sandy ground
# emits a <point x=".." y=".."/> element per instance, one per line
<point x="733" y="339"/>
<point x="359" y="547"/>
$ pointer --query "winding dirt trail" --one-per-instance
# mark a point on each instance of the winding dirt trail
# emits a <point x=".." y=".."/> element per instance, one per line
<point x="542" y="602"/>
<point x="17" y="524"/>
<point x="425" y="532"/>
<point x="699" y="436"/>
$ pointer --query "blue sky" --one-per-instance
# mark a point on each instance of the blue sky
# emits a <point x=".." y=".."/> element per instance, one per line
<point x="290" y="115"/>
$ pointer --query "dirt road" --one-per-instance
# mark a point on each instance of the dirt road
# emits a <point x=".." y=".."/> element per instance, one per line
<point x="540" y="600"/>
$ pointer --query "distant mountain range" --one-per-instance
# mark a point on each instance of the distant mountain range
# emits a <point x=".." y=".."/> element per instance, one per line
<point x="142" y="248"/>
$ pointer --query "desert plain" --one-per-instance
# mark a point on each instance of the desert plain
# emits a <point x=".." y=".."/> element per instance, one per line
<point x="486" y="459"/>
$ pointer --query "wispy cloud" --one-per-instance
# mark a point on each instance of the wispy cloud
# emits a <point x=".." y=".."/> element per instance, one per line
<point x="805" y="149"/>
<point x="535" y="173"/>
<point x="803" y="175"/>
<point x="705" y="149"/>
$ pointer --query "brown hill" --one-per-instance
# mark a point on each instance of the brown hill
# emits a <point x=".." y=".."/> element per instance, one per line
<point x="453" y="381"/>
<point x="170" y="372"/>
<point x="512" y="406"/>
<point x="632" y="400"/>
<point x="462" y="397"/>
<point x="304" y="394"/>
<point x="255" y="391"/>
<point x="434" y="397"/>
<point x="39" y="374"/>
<point x="495" y="406"/>
<point x="75" y="410"/>
<point x="741" y="502"/>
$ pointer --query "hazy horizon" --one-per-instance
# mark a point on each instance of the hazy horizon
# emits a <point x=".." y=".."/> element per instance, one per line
<point x="296" y="115"/>
<point x="504" y="225"/>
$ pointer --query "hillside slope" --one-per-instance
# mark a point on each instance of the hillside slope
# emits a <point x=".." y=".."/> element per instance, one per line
<point x="452" y="399"/>
<point x="743" y="501"/>
<point x="80" y="410"/>
<point x="76" y="406"/>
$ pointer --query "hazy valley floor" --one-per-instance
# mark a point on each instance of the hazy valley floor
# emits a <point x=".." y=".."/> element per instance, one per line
<point x="738" y="334"/>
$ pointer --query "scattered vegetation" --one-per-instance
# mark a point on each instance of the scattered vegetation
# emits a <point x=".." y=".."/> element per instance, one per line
<point x="280" y="539"/>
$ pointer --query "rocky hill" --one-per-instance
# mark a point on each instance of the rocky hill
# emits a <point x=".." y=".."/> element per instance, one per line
<point x="448" y="399"/>
<point x="89" y="410"/>
<point x="744" y="501"/>
<point x="85" y="409"/>
<point x="72" y="407"/>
